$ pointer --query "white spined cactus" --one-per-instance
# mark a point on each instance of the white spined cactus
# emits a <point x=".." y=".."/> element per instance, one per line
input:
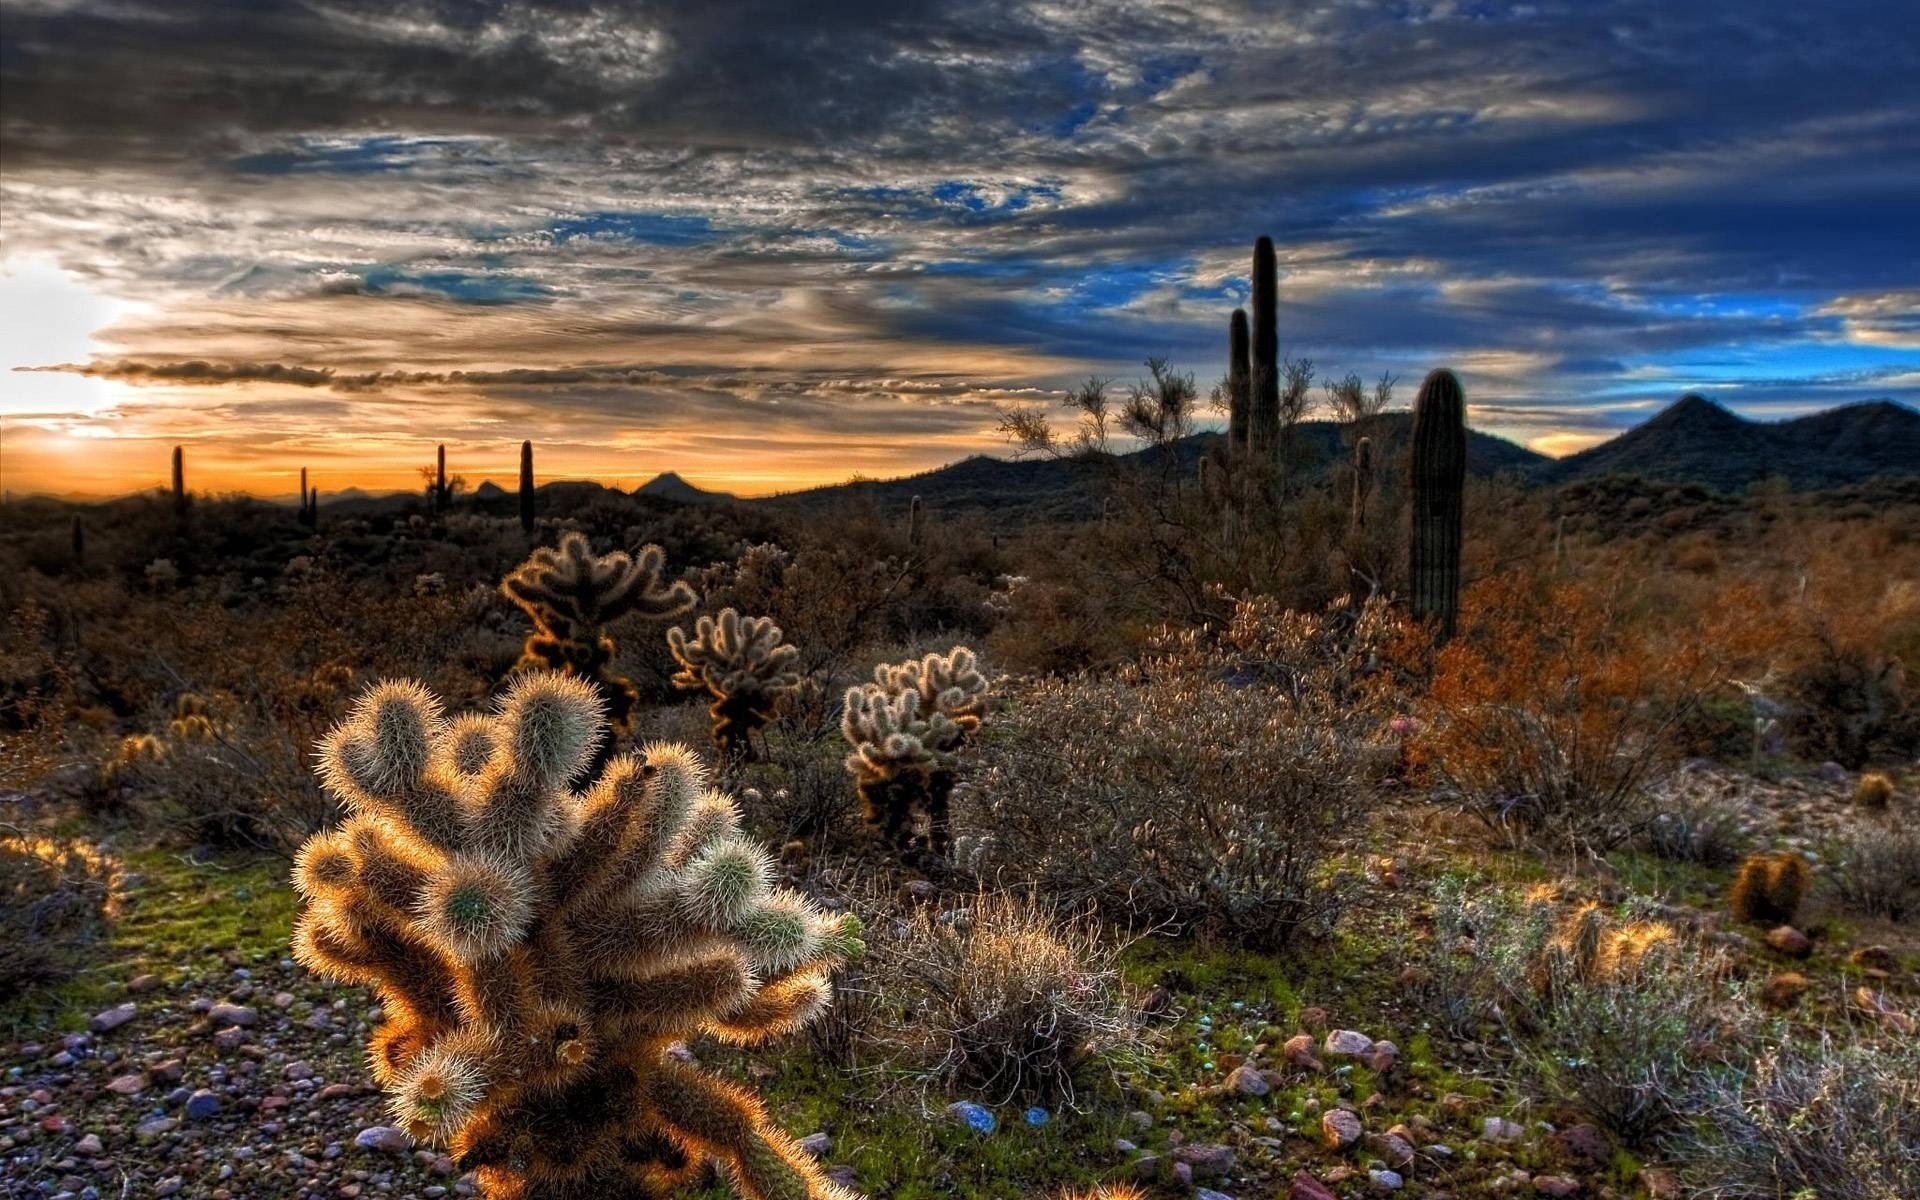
<point x="745" y="664"/>
<point x="537" y="949"/>
<point x="907" y="729"/>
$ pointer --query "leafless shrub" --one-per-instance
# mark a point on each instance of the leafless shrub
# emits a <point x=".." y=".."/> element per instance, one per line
<point x="1003" y="999"/>
<point x="1698" y="819"/>
<point x="1876" y="870"/>
<point x="53" y="895"/>
<point x="1827" y="1120"/>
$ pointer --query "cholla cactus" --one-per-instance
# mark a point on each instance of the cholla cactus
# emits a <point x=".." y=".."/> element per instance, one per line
<point x="538" y="950"/>
<point x="907" y="728"/>
<point x="745" y="664"/>
<point x="573" y="594"/>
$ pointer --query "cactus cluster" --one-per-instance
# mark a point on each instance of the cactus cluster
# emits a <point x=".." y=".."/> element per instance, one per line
<point x="1769" y="888"/>
<point x="572" y="595"/>
<point x="745" y="664"/>
<point x="538" y="950"/>
<point x="907" y="729"/>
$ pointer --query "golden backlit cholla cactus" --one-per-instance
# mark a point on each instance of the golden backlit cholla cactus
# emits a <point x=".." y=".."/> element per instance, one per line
<point x="572" y="595"/>
<point x="538" y="950"/>
<point x="745" y="664"/>
<point x="907" y="728"/>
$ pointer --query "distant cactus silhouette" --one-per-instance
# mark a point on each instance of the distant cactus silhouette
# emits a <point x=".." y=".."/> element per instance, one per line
<point x="1769" y="888"/>
<point x="180" y="480"/>
<point x="1362" y="481"/>
<point x="440" y="493"/>
<point x="1263" y="410"/>
<point x="538" y="950"/>
<point x="572" y="595"/>
<point x="526" y="487"/>
<point x="915" y="523"/>
<point x="907" y="728"/>
<point x="1239" y="384"/>
<point x="745" y="665"/>
<point x="1438" y="480"/>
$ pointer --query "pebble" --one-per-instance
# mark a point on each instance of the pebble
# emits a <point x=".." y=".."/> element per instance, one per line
<point x="384" y="1139"/>
<point x="1339" y="1128"/>
<point x="1244" y="1080"/>
<point x="1499" y="1129"/>
<point x="203" y="1104"/>
<point x="974" y="1116"/>
<point x="89" y="1146"/>
<point x="233" y="1014"/>
<point x="816" y="1144"/>
<point x="1386" y="1181"/>
<point x="113" y="1018"/>
<point x="1348" y="1043"/>
<point x="1306" y="1187"/>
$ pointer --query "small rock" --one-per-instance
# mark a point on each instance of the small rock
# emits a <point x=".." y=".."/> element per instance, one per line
<point x="89" y="1146"/>
<point x="1339" y="1128"/>
<point x="1146" y="1168"/>
<point x="1833" y="772"/>
<point x="1348" y="1043"/>
<point x="1208" y="1160"/>
<point x="143" y="983"/>
<point x="113" y="1018"/>
<point x="1499" y="1129"/>
<point x="1210" y="1194"/>
<point x="1790" y="941"/>
<point x="169" y="1071"/>
<point x="974" y="1116"/>
<point x="1395" y="1149"/>
<point x="816" y="1144"/>
<point x="154" y="1127"/>
<point x="1245" y="1081"/>
<point x="1306" y="1187"/>
<point x="1556" y="1185"/>
<point x="384" y="1139"/>
<point x="1584" y="1141"/>
<point x="1299" y="1052"/>
<point x="128" y="1085"/>
<point x="1385" y="1181"/>
<point x="1314" y="1018"/>
<point x="202" y="1104"/>
<point x="1384" y="1055"/>
<point x="1037" y="1116"/>
<point x="233" y="1014"/>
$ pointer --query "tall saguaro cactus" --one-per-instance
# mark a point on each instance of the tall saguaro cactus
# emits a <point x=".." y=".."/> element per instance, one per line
<point x="1239" y="384"/>
<point x="1362" y="482"/>
<point x="916" y="523"/>
<point x="526" y="486"/>
<point x="1263" y="413"/>
<point x="1438" y="478"/>
<point x="539" y="951"/>
<point x="180" y="480"/>
<point x="440" y="479"/>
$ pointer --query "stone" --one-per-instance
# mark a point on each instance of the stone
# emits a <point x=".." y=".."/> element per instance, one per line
<point x="1585" y="1142"/>
<point x="1306" y="1187"/>
<point x="1210" y="1194"/>
<point x="112" y="1018"/>
<point x="233" y="1014"/>
<point x="154" y="1127"/>
<point x="1146" y="1168"/>
<point x="1339" y="1128"/>
<point x="383" y="1139"/>
<point x="169" y="1071"/>
<point x="128" y="1085"/>
<point x="816" y="1144"/>
<point x="1209" y="1160"/>
<point x="973" y="1116"/>
<point x="1787" y="940"/>
<point x="1833" y="772"/>
<point x="1499" y="1129"/>
<point x="1298" y="1051"/>
<point x="89" y="1146"/>
<point x="231" y="1038"/>
<point x="1556" y="1185"/>
<point x="1384" y="1055"/>
<point x="1348" y="1043"/>
<point x="1314" y="1018"/>
<point x="1395" y="1149"/>
<point x="143" y="983"/>
<point x="1245" y="1081"/>
<point x="1384" y="1180"/>
<point x="203" y="1104"/>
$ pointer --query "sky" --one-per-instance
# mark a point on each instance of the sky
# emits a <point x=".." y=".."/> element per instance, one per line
<point x="772" y="245"/>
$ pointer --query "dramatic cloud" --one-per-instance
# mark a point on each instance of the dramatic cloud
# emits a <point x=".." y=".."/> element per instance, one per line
<point x="769" y="244"/>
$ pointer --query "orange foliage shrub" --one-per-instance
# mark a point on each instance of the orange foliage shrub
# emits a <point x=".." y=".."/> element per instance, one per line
<point x="1559" y="702"/>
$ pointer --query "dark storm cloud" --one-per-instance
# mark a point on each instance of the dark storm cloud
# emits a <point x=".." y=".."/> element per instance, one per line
<point x="1569" y="200"/>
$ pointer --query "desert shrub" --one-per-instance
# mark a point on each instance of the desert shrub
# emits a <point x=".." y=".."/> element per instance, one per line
<point x="1826" y="1120"/>
<point x="54" y="896"/>
<point x="1207" y="789"/>
<point x="1051" y="628"/>
<point x="1876" y="871"/>
<point x="1769" y="888"/>
<point x="1004" y="999"/>
<point x="1698" y="818"/>
<point x="1559" y="704"/>
<point x="1611" y="1015"/>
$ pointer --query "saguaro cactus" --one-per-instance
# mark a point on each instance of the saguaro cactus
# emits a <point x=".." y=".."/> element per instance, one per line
<point x="745" y="664"/>
<point x="572" y="595"/>
<point x="1362" y="482"/>
<point x="915" y="523"/>
<point x="538" y="950"/>
<point x="907" y="728"/>
<point x="1239" y="384"/>
<point x="179" y="479"/>
<point x="1438" y="478"/>
<point x="1263" y="415"/>
<point x="526" y="486"/>
<point x="440" y="479"/>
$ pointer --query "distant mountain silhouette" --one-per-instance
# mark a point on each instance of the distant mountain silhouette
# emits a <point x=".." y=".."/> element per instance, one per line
<point x="669" y="486"/>
<point x="1695" y="440"/>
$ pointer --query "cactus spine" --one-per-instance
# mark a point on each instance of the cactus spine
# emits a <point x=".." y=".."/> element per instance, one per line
<point x="526" y="486"/>
<point x="538" y="950"/>
<point x="745" y="664"/>
<point x="1438" y="477"/>
<point x="180" y="480"/>
<point x="907" y="729"/>
<point x="572" y="595"/>
<point x="1239" y="384"/>
<point x="1263" y="411"/>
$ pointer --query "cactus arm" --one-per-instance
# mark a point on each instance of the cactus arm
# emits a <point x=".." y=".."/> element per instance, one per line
<point x="727" y="1123"/>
